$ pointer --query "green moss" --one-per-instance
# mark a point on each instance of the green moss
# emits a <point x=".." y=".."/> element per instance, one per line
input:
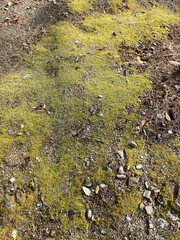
<point x="80" y="7"/>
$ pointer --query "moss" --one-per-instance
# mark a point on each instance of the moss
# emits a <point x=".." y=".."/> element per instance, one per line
<point x="80" y="7"/>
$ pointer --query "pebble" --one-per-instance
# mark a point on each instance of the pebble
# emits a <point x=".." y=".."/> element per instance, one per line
<point x="146" y="185"/>
<point x="159" y="116"/>
<point x="147" y="194"/>
<point x="141" y="206"/>
<point x="133" y="181"/>
<point x="87" y="191"/>
<point x="89" y="214"/>
<point x="103" y="232"/>
<point x="121" y="176"/>
<point x="174" y="63"/>
<point x="170" y="131"/>
<point x="139" y="166"/>
<point x="133" y="144"/>
<point x="149" y="210"/>
<point x="150" y="224"/>
<point x="12" y="179"/>
<point x="14" y="234"/>
<point x="100" y="96"/>
<point x="120" y="153"/>
<point x="102" y="185"/>
<point x="128" y="219"/>
<point x="121" y="170"/>
<point x="97" y="189"/>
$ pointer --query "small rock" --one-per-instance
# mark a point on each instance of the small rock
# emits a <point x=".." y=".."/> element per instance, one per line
<point x="97" y="189"/>
<point x="103" y="232"/>
<point x="121" y="170"/>
<point x="128" y="219"/>
<point x="14" y="234"/>
<point x="120" y="153"/>
<point x="101" y="115"/>
<point x="133" y="144"/>
<point x="146" y="185"/>
<point x="71" y="214"/>
<point x="174" y="63"/>
<point x="177" y="87"/>
<point x="102" y="185"/>
<point x="170" y="131"/>
<point x="149" y="210"/>
<point x="141" y="206"/>
<point x="100" y="96"/>
<point x="20" y="197"/>
<point x="147" y="194"/>
<point x="150" y="224"/>
<point x="12" y="179"/>
<point x="114" y="34"/>
<point x="139" y="166"/>
<point x="121" y="176"/>
<point x="87" y="191"/>
<point x="159" y="116"/>
<point x="89" y="214"/>
<point x="133" y="181"/>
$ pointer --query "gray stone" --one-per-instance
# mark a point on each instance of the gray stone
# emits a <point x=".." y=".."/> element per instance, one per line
<point x="147" y="194"/>
<point x="149" y="210"/>
<point x="103" y="232"/>
<point x="159" y="116"/>
<point x="150" y="224"/>
<point x="121" y="176"/>
<point x="102" y="185"/>
<point x="120" y="153"/>
<point x="133" y="181"/>
<point x="128" y="219"/>
<point x="12" y="179"/>
<point x="89" y="214"/>
<point x="139" y="166"/>
<point x="87" y="191"/>
<point x="141" y="206"/>
<point x="170" y="131"/>
<point x="171" y="216"/>
<point x="121" y="170"/>
<point x="146" y="185"/>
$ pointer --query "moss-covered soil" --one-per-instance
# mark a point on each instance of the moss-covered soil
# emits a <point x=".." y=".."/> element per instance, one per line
<point x="96" y="106"/>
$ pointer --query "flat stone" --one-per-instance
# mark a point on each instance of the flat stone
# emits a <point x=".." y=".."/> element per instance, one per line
<point x="133" y="181"/>
<point x="89" y="214"/>
<point x="87" y="191"/>
<point x="121" y="170"/>
<point x="149" y="210"/>
<point x="141" y="206"/>
<point x="120" y="153"/>
<point x="147" y="194"/>
<point x="159" y="116"/>
<point x="139" y="166"/>
<point x="146" y="185"/>
<point x="132" y="144"/>
<point x="121" y="176"/>
<point x="102" y="185"/>
<point x="103" y="232"/>
<point x="12" y="179"/>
